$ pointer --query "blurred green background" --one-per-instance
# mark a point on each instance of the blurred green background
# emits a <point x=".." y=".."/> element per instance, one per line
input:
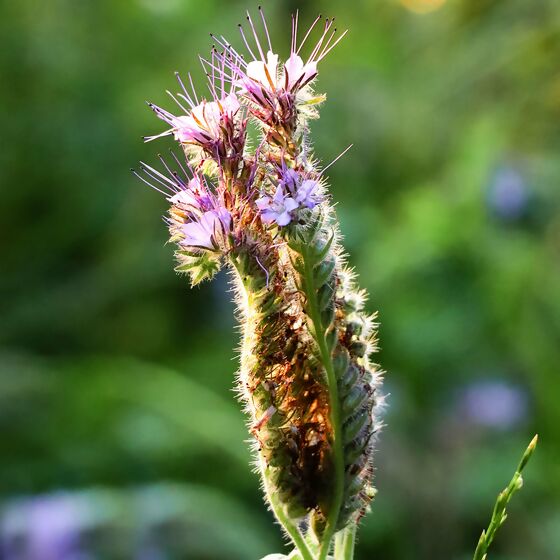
<point x="120" y="436"/>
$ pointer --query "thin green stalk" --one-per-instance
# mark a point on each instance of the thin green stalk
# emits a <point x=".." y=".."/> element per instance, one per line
<point x="344" y="543"/>
<point x="314" y="314"/>
<point x="289" y="527"/>
<point x="499" y="514"/>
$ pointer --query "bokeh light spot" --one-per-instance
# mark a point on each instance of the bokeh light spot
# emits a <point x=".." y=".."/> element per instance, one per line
<point x="423" y="6"/>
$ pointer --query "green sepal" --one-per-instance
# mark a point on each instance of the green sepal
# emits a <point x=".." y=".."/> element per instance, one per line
<point x="354" y="400"/>
<point x="359" y="348"/>
<point x="199" y="266"/>
<point x="324" y="271"/>
<point x="331" y="339"/>
<point x="354" y="485"/>
<point x="353" y="451"/>
<point x="298" y="264"/>
<point x="341" y="360"/>
<point x="327" y="317"/>
<point x="355" y="425"/>
<point x="322" y="247"/>
<point x="350" y="377"/>
<point x="355" y="327"/>
<point x="324" y="297"/>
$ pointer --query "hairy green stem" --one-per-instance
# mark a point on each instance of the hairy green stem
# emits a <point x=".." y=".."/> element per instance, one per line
<point x="310" y="291"/>
<point x="344" y="543"/>
<point x="288" y="526"/>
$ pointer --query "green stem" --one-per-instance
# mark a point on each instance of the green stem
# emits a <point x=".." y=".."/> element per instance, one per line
<point x="310" y="291"/>
<point x="289" y="526"/>
<point x="344" y="543"/>
<point x="499" y="514"/>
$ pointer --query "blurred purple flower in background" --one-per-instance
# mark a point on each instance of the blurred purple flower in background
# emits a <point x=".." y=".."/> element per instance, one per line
<point x="508" y="193"/>
<point x="153" y="522"/>
<point x="493" y="403"/>
<point x="44" y="528"/>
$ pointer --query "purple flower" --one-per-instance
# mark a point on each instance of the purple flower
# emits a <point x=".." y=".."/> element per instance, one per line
<point x="277" y="208"/>
<point x="263" y="78"/>
<point x="289" y="179"/>
<point x="292" y="192"/>
<point x="195" y="198"/>
<point x="203" y="123"/>
<point x="198" y="218"/>
<point x="302" y="190"/>
<point x="206" y="231"/>
<point x="307" y="194"/>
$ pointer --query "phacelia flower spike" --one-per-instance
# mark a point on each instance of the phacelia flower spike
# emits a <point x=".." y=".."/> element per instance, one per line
<point x="214" y="128"/>
<point x="306" y="379"/>
<point x="278" y="92"/>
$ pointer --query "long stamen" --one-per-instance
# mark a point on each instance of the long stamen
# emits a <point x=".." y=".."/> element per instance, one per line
<point x="230" y="50"/>
<point x="178" y="161"/>
<point x="211" y="88"/>
<point x="328" y="24"/>
<point x="209" y="65"/>
<point x="177" y="101"/>
<point x="213" y="74"/>
<point x="151" y="173"/>
<point x="294" y="32"/>
<point x="161" y="113"/>
<point x="154" y="173"/>
<point x="193" y="89"/>
<point x="179" y="184"/>
<point x="308" y="31"/>
<point x="265" y="28"/>
<point x="235" y="70"/>
<point x="246" y="42"/>
<point x="156" y="136"/>
<point x="222" y="75"/>
<point x="222" y="42"/>
<point x="327" y="43"/>
<point x="187" y="97"/>
<point x="134" y="172"/>
<point x="237" y="56"/>
<point x="257" y="42"/>
<point x="327" y="51"/>
<point x="184" y="98"/>
<point x="211" y="83"/>
<point x="154" y="178"/>
<point x="336" y="158"/>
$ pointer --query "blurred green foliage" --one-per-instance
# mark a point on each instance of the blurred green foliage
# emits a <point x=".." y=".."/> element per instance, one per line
<point x="115" y="378"/>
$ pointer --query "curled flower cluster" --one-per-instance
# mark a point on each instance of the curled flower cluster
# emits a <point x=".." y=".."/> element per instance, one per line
<point x="306" y="379"/>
